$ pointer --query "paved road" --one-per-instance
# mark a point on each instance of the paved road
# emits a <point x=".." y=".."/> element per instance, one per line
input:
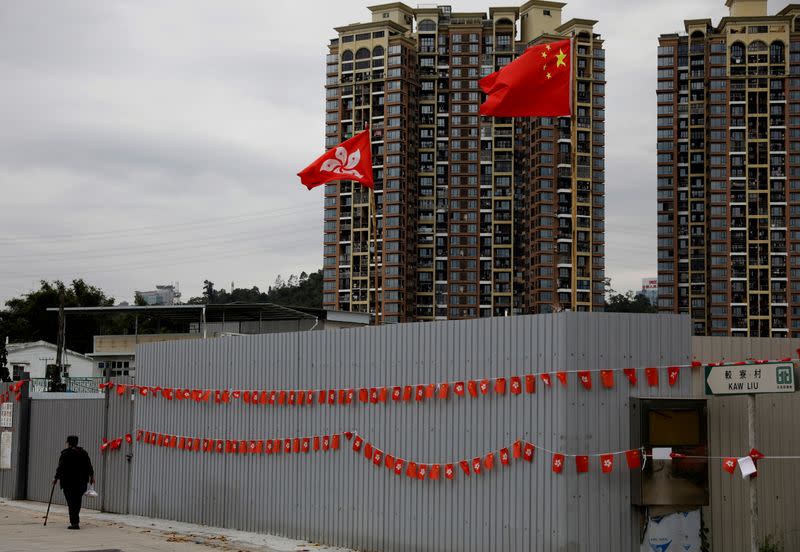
<point x="21" y="530"/>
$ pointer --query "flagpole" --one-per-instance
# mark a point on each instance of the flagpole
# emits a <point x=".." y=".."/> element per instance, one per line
<point x="373" y="207"/>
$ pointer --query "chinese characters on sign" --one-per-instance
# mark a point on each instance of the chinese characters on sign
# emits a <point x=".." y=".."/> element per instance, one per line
<point x="752" y="378"/>
<point x="6" y="414"/>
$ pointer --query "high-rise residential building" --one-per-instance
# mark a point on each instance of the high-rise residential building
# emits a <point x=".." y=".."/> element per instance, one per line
<point x="476" y="216"/>
<point x="729" y="172"/>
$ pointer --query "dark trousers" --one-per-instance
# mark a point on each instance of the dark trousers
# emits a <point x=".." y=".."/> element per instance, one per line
<point x="74" y="496"/>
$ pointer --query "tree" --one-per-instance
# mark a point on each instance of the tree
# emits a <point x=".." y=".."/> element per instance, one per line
<point x="4" y="373"/>
<point x="298" y="292"/>
<point x="26" y="318"/>
<point x="629" y="302"/>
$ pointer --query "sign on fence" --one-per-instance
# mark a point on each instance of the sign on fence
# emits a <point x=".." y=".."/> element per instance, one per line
<point x="776" y="377"/>
<point x="5" y="450"/>
<point x="6" y="414"/>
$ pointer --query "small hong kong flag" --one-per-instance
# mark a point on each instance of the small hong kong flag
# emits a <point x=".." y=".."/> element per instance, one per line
<point x="398" y="466"/>
<point x="729" y="465"/>
<point x="350" y="160"/>
<point x="672" y="374"/>
<point x="458" y="388"/>
<point x="373" y="395"/>
<point x="377" y="457"/>
<point x="484" y="387"/>
<point x="582" y="463"/>
<point x="607" y="463"/>
<point x="306" y="444"/>
<point x="586" y="379"/>
<point x="464" y="466"/>
<point x="562" y="378"/>
<point x="357" y="443"/>
<point x="527" y="452"/>
<point x="536" y="84"/>
<point x="515" y="384"/>
<point x="269" y="447"/>
<point x="422" y="471"/>
<point x="292" y="397"/>
<point x="546" y="379"/>
<point x="558" y="462"/>
<point x="630" y="373"/>
<point x="652" y="376"/>
<point x="633" y="458"/>
<point x="476" y="465"/>
<point x="434" y="473"/>
<point x="332" y="396"/>
<point x="488" y="462"/>
<point x="351" y="393"/>
<point x="505" y="457"/>
<point x="326" y="442"/>
<point x="420" y="394"/>
<point x="396" y="394"/>
<point x="449" y="471"/>
<point x="607" y="378"/>
<point x="236" y="395"/>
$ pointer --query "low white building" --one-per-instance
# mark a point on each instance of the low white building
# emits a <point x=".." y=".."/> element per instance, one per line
<point x="34" y="357"/>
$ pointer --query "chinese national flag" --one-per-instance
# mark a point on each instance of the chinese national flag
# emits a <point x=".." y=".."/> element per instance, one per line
<point x="607" y="378"/>
<point x="634" y="459"/>
<point x="536" y="84"/>
<point x="582" y="464"/>
<point x="350" y="160"/>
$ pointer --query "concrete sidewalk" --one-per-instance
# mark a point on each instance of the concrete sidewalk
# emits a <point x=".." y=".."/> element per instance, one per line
<point x="21" y="530"/>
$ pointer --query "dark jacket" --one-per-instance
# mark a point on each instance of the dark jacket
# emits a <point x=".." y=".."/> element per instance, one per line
<point x="74" y="468"/>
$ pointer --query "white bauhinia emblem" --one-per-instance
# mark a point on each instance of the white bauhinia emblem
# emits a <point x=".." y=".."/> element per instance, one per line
<point x="607" y="463"/>
<point x="729" y="463"/>
<point x="449" y="472"/>
<point x="557" y="462"/>
<point x="504" y="457"/>
<point x="515" y="386"/>
<point x="343" y="163"/>
<point x="528" y="452"/>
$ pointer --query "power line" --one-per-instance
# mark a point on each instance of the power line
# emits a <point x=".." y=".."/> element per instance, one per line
<point x="145" y="230"/>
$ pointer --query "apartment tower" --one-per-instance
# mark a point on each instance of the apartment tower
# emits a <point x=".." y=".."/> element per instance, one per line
<point x="729" y="172"/>
<point x="475" y="216"/>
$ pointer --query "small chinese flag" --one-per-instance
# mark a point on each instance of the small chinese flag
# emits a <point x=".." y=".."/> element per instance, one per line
<point x="530" y="383"/>
<point x="630" y="373"/>
<point x="500" y="386"/>
<point x="607" y="462"/>
<point x="363" y="395"/>
<point x="350" y="160"/>
<point x="368" y="450"/>
<point x="434" y="473"/>
<point x="562" y="377"/>
<point x="488" y="462"/>
<point x="634" y="459"/>
<point x="517" y="448"/>
<point x="444" y="389"/>
<point x="582" y="463"/>
<point x="729" y="465"/>
<point x="335" y="442"/>
<point x="464" y="466"/>
<point x="536" y="84"/>
<point x="652" y="376"/>
<point x="412" y="470"/>
<point x="607" y="378"/>
<point x="586" y="379"/>
<point x="472" y="387"/>
<point x="558" y="462"/>
<point x="389" y="461"/>
<point x="430" y="391"/>
<point x="407" y="392"/>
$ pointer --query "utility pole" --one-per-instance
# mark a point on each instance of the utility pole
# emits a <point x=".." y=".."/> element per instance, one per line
<point x="61" y="328"/>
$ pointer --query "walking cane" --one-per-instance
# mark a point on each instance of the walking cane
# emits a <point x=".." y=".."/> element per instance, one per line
<point x="50" y="502"/>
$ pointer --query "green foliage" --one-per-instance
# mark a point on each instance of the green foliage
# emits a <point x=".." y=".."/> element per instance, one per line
<point x="26" y="318"/>
<point x="304" y="290"/>
<point x="770" y="544"/>
<point x="628" y="302"/>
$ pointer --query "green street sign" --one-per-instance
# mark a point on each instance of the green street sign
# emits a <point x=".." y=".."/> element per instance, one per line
<point x="775" y="377"/>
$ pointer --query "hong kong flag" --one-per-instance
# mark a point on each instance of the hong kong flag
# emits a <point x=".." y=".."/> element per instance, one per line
<point x="558" y="463"/>
<point x="536" y="84"/>
<point x="607" y="462"/>
<point x="350" y="160"/>
<point x="729" y="465"/>
<point x="505" y="456"/>
<point x="449" y="471"/>
<point x="586" y="378"/>
<point x="672" y="374"/>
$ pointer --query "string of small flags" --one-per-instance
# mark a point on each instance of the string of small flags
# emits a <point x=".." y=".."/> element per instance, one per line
<point x="519" y="450"/>
<point x="14" y="388"/>
<point x="513" y="385"/>
<point x="115" y="444"/>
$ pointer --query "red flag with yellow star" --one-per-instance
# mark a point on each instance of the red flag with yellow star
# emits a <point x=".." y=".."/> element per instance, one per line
<point x="536" y="84"/>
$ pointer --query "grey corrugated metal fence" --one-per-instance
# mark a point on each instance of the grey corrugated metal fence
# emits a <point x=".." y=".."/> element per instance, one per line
<point x="342" y="499"/>
<point x="778" y="431"/>
<point x="12" y="481"/>
<point x="56" y="415"/>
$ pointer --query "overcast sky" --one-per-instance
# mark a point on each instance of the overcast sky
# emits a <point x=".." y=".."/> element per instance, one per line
<point x="150" y="142"/>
